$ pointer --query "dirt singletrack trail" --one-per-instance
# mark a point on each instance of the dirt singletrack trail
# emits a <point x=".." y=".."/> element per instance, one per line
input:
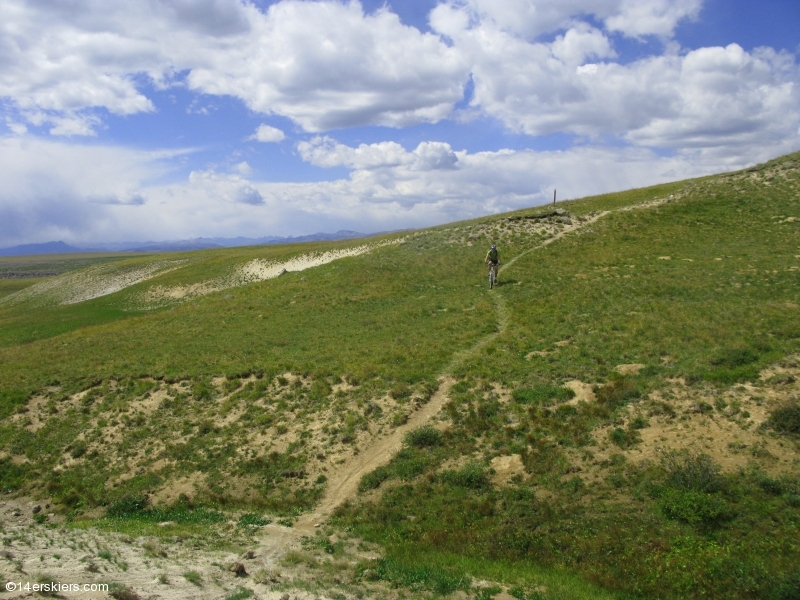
<point x="343" y="483"/>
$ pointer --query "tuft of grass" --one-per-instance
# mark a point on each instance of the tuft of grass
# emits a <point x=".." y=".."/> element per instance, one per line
<point x="253" y="520"/>
<point x="122" y="592"/>
<point x="193" y="577"/>
<point x="240" y="593"/>
<point x="472" y="476"/>
<point x="546" y="395"/>
<point x="435" y="578"/>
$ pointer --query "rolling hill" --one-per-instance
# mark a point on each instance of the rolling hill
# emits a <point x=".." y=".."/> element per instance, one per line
<point x="618" y="418"/>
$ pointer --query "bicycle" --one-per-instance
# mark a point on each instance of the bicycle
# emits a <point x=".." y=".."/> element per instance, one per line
<point x="492" y="274"/>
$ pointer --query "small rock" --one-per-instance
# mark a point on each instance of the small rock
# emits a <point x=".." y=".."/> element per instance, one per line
<point x="249" y="555"/>
<point x="166" y="523"/>
<point x="302" y="279"/>
<point x="92" y="568"/>
<point x="285" y="597"/>
<point x="37" y="508"/>
<point x="7" y="555"/>
<point x="238" y="569"/>
<point x="16" y="512"/>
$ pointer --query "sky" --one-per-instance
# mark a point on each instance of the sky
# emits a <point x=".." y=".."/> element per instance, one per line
<point x="176" y="119"/>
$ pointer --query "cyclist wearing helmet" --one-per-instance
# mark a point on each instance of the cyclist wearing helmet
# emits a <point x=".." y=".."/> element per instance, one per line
<point x="493" y="258"/>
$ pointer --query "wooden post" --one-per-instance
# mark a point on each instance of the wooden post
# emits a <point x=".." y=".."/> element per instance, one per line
<point x="554" y="196"/>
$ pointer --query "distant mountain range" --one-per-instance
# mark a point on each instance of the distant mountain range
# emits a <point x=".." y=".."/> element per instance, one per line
<point x="178" y="245"/>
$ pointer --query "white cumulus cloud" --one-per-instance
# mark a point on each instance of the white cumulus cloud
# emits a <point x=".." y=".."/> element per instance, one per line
<point x="323" y="64"/>
<point x="266" y="133"/>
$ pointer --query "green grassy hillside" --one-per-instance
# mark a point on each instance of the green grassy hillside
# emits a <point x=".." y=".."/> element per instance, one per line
<point x="623" y="418"/>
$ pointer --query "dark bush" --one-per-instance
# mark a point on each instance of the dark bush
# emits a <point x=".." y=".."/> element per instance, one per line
<point x="786" y="418"/>
<point x="78" y="449"/>
<point x="424" y="437"/>
<point x="695" y="472"/>
<point x="128" y="506"/>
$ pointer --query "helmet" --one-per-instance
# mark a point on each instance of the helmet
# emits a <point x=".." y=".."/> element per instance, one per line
<point x="494" y="246"/>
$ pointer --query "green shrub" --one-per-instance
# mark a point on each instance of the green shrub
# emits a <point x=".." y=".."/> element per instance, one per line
<point x="428" y="577"/>
<point x="545" y="395"/>
<point x="128" y="506"/>
<point x="254" y="520"/>
<point x="472" y="476"/>
<point x="695" y="472"/>
<point x="693" y="507"/>
<point x="202" y="391"/>
<point x="624" y="438"/>
<point x="424" y="437"/>
<point x="408" y="463"/>
<point x="374" y="479"/>
<point x="786" y="418"/>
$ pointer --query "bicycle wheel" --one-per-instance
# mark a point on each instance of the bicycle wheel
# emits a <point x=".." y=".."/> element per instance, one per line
<point x="491" y="277"/>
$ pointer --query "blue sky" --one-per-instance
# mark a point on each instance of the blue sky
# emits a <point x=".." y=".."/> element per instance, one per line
<point x="141" y="121"/>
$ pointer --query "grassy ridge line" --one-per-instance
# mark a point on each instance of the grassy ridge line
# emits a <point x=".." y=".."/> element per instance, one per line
<point x="645" y="287"/>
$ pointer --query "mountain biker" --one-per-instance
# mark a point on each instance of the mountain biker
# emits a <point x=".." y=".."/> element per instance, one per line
<point x="493" y="258"/>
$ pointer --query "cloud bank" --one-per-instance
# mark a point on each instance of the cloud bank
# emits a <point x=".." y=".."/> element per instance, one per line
<point x="537" y="67"/>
